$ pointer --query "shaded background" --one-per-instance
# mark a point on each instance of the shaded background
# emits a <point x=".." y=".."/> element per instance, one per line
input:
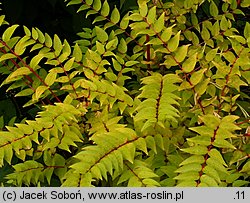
<point x="53" y="16"/>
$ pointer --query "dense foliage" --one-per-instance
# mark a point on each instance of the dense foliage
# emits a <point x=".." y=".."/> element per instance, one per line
<point x="154" y="96"/>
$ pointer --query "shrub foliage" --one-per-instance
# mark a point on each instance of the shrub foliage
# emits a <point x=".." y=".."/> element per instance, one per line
<point x="157" y="96"/>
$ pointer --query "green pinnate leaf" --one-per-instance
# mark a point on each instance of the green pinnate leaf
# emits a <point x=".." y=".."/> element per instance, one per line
<point x="181" y="53"/>
<point x="57" y="45"/>
<point x="205" y="34"/>
<point x="166" y="34"/>
<point x="7" y="56"/>
<point x="151" y="15"/>
<point x="129" y="152"/>
<point x="215" y="154"/>
<point x="50" y="78"/>
<point x="208" y="181"/>
<point x="25" y="92"/>
<point x="39" y="91"/>
<point x="212" y="173"/>
<point x="122" y="47"/>
<point x="197" y="76"/>
<point x="36" y="60"/>
<point x="97" y="5"/>
<point x="124" y="22"/>
<point x="246" y="167"/>
<point x="102" y="36"/>
<point x="48" y="40"/>
<point x="68" y="65"/>
<point x="83" y="7"/>
<point x="8" y="154"/>
<point x="89" y="2"/>
<point x="105" y="9"/>
<point x="9" y="32"/>
<point x="201" y="140"/>
<point x="143" y="8"/>
<point x="34" y="34"/>
<point x="189" y="168"/>
<point x="159" y="23"/>
<point x="211" y="121"/>
<point x="189" y="64"/>
<point x="196" y="150"/>
<point x="247" y="30"/>
<point x="77" y="53"/>
<point x="193" y="159"/>
<point x="224" y="23"/>
<point x="115" y="16"/>
<point x="194" y="19"/>
<point x="211" y="54"/>
<point x="150" y="182"/>
<point x="173" y="43"/>
<point x="213" y="9"/>
<point x="19" y="72"/>
<point x="221" y="143"/>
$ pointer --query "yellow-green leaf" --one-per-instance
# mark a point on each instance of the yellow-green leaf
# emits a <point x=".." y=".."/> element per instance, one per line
<point x="197" y="76"/>
<point x="196" y="150"/>
<point x="50" y="78"/>
<point x="213" y="9"/>
<point x="173" y="43"/>
<point x="181" y="53"/>
<point x="97" y="5"/>
<point x="77" y="53"/>
<point x="189" y="64"/>
<point x="115" y="16"/>
<point x="102" y="36"/>
<point x="105" y="8"/>
<point x="143" y="8"/>
<point x="151" y="15"/>
<point x="8" y="33"/>
<point x="7" y="56"/>
<point x="68" y="65"/>
<point x="39" y="91"/>
<point x="57" y="45"/>
<point x="159" y="23"/>
<point x="211" y="54"/>
<point x="20" y="71"/>
<point x="166" y="34"/>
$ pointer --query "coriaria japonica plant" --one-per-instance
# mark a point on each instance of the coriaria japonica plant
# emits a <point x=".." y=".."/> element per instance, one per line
<point x="157" y="96"/>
